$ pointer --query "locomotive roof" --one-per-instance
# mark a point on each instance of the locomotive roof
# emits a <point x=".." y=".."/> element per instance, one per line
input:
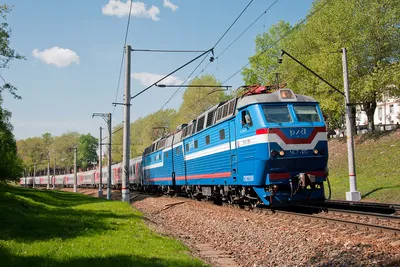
<point x="274" y="97"/>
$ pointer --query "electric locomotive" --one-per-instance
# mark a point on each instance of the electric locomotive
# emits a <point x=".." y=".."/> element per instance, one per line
<point x="265" y="146"/>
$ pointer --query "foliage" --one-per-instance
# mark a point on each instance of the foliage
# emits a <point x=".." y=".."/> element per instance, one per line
<point x="52" y="228"/>
<point x="367" y="28"/>
<point x="59" y="149"/>
<point x="10" y="163"/>
<point x="7" y="54"/>
<point x="87" y="150"/>
<point x="197" y="100"/>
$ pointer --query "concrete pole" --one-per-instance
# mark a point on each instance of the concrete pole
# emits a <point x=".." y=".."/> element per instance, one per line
<point x="54" y="174"/>
<point x="48" y="175"/>
<point x="109" y="158"/>
<point x="75" y="170"/>
<point x="100" y="165"/>
<point x="353" y="195"/>
<point x="127" y="122"/>
<point x="34" y="175"/>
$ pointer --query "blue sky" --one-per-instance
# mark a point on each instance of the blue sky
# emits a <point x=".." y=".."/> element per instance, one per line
<point x="73" y="53"/>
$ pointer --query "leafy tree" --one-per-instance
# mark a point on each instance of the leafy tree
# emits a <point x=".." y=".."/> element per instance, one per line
<point x="87" y="150"/>
<point x="7" y="54"/>
<point x="197" y="100"/>
<point x="369" y="29"/>
<point x="264" y="64"/>
<point x="62" y="149"/>
<point x="10" y="163"/>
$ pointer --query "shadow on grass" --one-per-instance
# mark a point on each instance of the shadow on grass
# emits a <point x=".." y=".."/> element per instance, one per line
<point x="378" y="189"/>
<point x="26" y="217"/>
<point x="11" y="260"/>
<point x="48" y="197"/>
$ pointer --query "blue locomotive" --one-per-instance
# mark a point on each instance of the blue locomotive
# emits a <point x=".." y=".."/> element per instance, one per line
<point x="263" y="147"/>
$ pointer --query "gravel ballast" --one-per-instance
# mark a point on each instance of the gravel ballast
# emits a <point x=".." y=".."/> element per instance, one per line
<point x="258" y="239"/>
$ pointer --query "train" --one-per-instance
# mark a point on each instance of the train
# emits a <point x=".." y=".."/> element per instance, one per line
<point x="266" y="146"/>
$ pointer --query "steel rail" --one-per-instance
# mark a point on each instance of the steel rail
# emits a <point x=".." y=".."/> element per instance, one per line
<point x="366" y="226"/>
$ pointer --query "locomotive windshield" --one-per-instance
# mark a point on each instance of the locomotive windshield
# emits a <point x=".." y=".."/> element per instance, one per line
<point x="282" y="114"/>
<point x="277" y="114"/>
<point x="306" y="113"/>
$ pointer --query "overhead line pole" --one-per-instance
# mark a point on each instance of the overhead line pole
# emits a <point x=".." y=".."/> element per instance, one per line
<point x="75" y="169"/>
<point x="107" y="118"/>
<point x="100" y="165"/>
<point x="48" y="174"/>
<point x="126" y="133"/>
<point x="109" y="157"/>
<point x="54" y="174"/>
<point x="353" y="194"/>
<point x="34" y="175"/>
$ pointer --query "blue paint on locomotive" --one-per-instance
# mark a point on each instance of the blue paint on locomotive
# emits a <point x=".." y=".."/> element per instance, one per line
<point x="239" y="151"/>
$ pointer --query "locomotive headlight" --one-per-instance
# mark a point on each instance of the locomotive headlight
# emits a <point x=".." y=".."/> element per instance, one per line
<point x="315" y="151"/>
<point x="281" y="153"/>
<point x="274" y="153"/>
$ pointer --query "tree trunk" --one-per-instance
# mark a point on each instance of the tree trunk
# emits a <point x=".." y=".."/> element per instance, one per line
<point x="369" y="109"/>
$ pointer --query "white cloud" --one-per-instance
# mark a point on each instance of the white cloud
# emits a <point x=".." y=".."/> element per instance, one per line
<point x="146" y="78"/>
<point x="168" y="4"/>
<point x="57" y="56"/>
<point x="120" y="9"/>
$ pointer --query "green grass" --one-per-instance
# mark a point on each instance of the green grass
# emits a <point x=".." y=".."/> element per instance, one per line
<point x="52" y="228"/>
<point x="377" y="166"/>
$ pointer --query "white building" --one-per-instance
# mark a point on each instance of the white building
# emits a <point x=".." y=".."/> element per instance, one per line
<point x="386" y="112"/>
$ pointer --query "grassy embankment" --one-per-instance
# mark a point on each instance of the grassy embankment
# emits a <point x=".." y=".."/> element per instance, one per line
<point x="377" y="165"/>
<point x="51" y="228"/>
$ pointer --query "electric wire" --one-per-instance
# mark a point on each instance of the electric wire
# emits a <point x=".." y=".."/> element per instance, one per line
<point x="233" y="23"/>
<point x="240" y="35"/>
<point x="123" y="53"/>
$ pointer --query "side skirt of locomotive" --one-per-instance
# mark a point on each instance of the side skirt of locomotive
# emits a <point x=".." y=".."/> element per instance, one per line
<point x="275" y="195"/>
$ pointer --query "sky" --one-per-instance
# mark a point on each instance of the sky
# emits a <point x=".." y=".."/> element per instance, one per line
<point x="73" y="53"/>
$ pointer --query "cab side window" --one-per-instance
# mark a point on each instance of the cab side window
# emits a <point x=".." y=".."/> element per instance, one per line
<point x="246" y="118"/>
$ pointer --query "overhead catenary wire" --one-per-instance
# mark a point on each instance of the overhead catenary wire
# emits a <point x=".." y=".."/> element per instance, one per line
<point x="233" y="23"/>
<point x="219" y="40"/>
<point x="169" y="74"/>
<point x="240" y="35"/>
<point x="123" y="54"/>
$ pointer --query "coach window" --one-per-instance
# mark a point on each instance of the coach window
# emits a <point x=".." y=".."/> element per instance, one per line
<point x="207" y="139"/>
<point x="166" y="154"/>
<point x="196" y="144"/>
<point x="222" y="134"/>
<point x="177" y="151"/>
<point x="187" y="147"/>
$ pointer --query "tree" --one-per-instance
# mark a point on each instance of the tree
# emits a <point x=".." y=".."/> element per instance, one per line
<point x="264" y="63"/>
<point x="367" y="28"/>
<point x="7" y="54"/>
<point x="10" y="163"/>
<point x="197" y="100"/>
<point x="87" y="150"/>
<point x="62" y="149"/>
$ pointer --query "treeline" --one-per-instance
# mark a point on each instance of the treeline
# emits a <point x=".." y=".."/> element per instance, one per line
<point x="370" y="31"/>
<point x="59" y="149"/>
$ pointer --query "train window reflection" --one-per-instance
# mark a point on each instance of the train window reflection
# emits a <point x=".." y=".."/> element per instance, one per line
<point x="306" y="113"/>
<point x="277" y="114"/>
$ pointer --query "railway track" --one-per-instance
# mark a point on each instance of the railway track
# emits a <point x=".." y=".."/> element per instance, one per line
<point x="381" y="224"/>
